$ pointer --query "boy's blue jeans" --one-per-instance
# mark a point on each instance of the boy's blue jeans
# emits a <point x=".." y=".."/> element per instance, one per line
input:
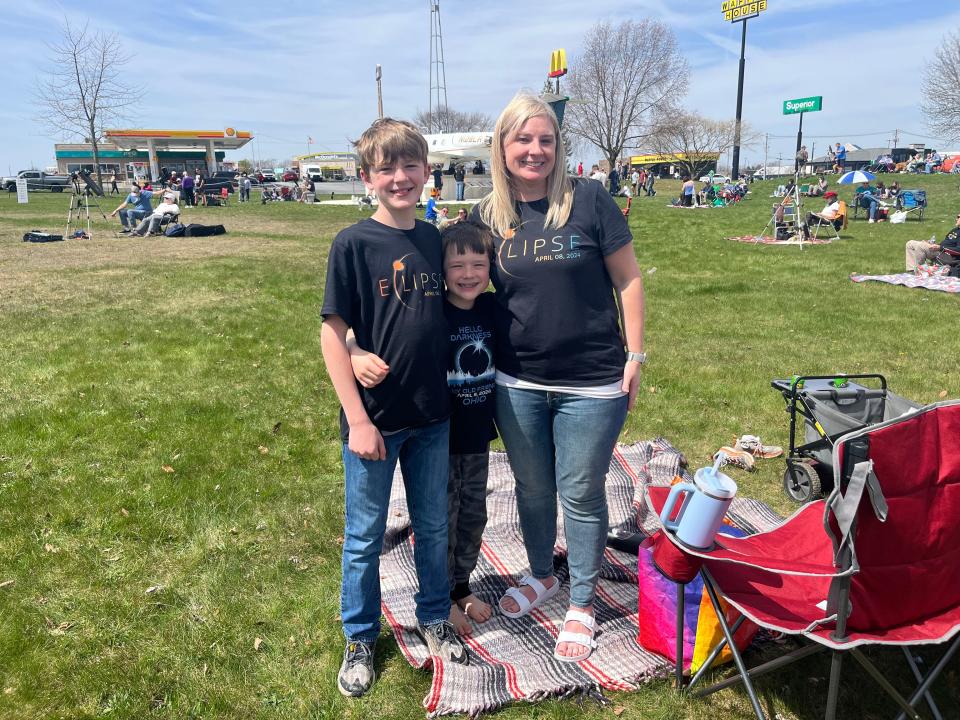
<point x="560" y="445"/>
<point x="423" y="454"/>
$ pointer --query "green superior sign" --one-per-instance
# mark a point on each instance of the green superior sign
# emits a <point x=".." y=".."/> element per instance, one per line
<point x="802" y="105"/>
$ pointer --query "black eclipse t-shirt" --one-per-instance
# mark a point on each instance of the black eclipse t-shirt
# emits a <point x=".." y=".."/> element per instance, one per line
<point x="471" y="376"/>
<point x="557" y="321"/>
<point x="387" y="284"/>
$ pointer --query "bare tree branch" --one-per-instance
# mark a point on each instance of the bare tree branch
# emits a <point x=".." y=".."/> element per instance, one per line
<point x="698" y="140"/>
<point x="941" y="89"/>
<point x="624" y="73"/>
<point x="84" y="91"/>
<point x="447" y="120"/>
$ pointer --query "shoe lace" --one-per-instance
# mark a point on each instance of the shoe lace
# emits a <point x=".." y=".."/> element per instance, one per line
<point x="443" y="632"/>
<point x="359" y="653"/>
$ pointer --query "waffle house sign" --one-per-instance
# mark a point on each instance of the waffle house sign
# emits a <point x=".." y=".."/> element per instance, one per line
<point x="737" y="10"/>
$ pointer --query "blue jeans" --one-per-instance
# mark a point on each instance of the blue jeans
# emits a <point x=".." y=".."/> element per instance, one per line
<point x="130" y="217"/>
<point x="423" y="454"/>
<point x="560" y="445"/>
<point x="460" y="189"/>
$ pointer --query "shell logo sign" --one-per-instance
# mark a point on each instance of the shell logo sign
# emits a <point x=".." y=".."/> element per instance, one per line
<point x="230" y="132"/>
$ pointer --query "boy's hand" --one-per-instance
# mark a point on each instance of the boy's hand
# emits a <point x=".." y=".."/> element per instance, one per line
<point x="367" y="442"/>
<point x="368" y="368"/>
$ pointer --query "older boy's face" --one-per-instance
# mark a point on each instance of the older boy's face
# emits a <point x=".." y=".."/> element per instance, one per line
<point x="397" y="185"/>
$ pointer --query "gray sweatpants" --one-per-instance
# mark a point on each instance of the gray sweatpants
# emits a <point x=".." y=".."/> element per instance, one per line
<point x="467" y="517"/>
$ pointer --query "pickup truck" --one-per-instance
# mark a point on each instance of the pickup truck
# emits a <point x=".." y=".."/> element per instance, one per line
<point x="38" y="180"/>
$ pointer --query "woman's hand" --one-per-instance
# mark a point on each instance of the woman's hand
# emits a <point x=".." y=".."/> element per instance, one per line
<point x="631" y="382"/>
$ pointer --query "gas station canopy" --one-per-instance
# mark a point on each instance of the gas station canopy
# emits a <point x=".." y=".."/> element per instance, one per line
<point x="154" y="140"/>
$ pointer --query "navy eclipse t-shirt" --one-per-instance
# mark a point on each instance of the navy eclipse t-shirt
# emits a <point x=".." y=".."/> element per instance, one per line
<point x="387" y="285"/>
<point x="557" y="321"/>
<point x="471" y="375"/>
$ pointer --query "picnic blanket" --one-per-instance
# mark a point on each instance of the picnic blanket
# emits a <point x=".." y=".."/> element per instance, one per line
<point x="944" y="283"/>
<point x="512" y="659"/>
<point x="768" y="240"/>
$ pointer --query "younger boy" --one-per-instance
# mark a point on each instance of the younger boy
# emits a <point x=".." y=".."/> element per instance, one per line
<point x="467" y="250"/>
<point x="384" y="281"/>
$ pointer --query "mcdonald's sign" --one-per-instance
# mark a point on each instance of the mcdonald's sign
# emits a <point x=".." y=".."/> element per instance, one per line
<point x="558" y="63"/>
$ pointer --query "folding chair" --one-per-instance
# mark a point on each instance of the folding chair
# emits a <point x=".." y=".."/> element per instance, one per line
<point x="839" y="223"/>
<point x="875" y="563"/>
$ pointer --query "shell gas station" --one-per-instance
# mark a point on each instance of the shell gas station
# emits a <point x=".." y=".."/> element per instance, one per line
<point x="139" y="153"/>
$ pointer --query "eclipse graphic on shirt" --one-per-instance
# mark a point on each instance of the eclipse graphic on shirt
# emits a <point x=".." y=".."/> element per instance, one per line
<point x="473" y="361"/>
<point x="407" y="281"/>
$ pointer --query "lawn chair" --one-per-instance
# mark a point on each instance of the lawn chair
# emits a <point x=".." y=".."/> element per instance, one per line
<point x="874" y="563"/>
<point x="839" y="223"/>
<point x="912" y="201"/>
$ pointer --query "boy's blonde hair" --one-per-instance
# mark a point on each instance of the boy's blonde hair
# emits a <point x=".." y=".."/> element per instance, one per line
<point x="498" y="209"/>
<point x="387" y="141"/>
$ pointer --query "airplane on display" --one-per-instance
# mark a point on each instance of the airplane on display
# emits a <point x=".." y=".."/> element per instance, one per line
<point x="452" y="148"/>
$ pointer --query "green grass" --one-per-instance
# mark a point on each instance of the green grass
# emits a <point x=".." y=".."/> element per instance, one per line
<point x="141" y="592"/>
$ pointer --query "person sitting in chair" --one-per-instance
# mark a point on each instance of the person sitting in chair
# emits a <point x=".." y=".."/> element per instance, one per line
<point x="140" y="199"/>
<point x="828" y="215"/>
<point x="946" y="252"/>
<point x="151" y="224"/>
<point x="819" y="189"/>
<point x="869" y="199"/>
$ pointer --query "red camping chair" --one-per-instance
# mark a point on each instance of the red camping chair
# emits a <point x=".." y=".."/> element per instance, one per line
<point x="859" y="568"/>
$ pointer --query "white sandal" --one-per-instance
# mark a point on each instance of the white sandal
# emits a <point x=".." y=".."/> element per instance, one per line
<point x="525" y="605"/>
<point x="578" y="638"/>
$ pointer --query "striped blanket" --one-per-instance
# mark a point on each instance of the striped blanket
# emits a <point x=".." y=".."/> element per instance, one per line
<point x="512" y="659"/>
<point x="908" y="279"/>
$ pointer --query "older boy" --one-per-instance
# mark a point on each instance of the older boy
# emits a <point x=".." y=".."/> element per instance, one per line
<point x="385" y="282"/>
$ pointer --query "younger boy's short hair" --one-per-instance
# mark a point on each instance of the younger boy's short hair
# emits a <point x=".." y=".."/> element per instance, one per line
<point x="388" y="140"/>
<point x="467" y="237"/>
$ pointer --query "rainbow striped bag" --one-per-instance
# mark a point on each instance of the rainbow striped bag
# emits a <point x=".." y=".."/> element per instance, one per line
<point x="657" y="606"/>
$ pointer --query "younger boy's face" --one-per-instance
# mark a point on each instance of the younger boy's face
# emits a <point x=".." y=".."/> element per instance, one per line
<point x="397" y="185"/>
<point x="466" y="274"/>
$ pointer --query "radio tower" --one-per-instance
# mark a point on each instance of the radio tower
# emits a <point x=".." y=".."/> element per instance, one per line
<point x="438" y="74"/>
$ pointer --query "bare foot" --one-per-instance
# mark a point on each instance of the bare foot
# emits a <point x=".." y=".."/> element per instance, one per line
<point x="568" y="649"/>
<point x="475" y="608"/>
<point x="459" y="621"/>
<point x="510" y="605"/>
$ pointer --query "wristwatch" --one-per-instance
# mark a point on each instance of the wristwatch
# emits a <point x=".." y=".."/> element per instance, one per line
<point x="637" y="357"/>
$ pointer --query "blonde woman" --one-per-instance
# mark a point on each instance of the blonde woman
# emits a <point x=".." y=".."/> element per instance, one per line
<point x="565" y="380"/>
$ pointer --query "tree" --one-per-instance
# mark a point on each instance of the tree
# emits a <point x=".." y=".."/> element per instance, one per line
<point x="623" y="74"/>
<point x="940" y="86"/>
<point x="245" y="166"/>
<point x="696" y="138"/>
<point x="84" y="92"/>
<point x="448" y="120"/>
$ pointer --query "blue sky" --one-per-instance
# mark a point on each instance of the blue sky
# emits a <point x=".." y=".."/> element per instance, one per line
<point x="286" y="71"/>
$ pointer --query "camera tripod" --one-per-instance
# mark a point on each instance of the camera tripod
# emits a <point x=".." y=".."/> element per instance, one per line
<point x="801" y="231"/>
<point x="80" y="202"/>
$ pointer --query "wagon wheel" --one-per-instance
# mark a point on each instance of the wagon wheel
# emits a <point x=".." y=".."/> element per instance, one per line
<point x="801" y="482"/>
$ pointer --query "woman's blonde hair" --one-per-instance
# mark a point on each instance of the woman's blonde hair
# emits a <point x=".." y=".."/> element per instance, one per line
<point x="498" y="209"/>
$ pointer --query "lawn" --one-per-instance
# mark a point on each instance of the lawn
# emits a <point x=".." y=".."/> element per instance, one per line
<point x="170" y="483"/>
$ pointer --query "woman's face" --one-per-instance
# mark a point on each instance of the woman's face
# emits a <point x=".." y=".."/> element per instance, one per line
<point x="530" y="155"/>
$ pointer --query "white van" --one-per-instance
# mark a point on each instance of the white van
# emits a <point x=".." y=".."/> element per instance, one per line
<point x="313" y="172"/>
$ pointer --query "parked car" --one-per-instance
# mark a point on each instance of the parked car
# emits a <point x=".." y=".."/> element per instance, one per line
<point x="265" y="176"/>
<point x="716" y="178"/>
<point x="38" y="180"/>
<point x="290" y="176"/>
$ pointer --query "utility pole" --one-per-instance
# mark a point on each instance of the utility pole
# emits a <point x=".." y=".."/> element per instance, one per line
<point x="766" y="142"/>
<point x="379" y="93"/>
